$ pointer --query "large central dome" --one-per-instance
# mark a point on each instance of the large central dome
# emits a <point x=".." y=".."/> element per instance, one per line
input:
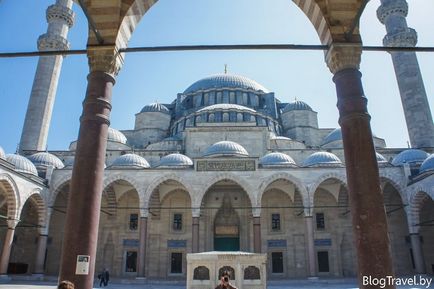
<point x="225" y="81"/>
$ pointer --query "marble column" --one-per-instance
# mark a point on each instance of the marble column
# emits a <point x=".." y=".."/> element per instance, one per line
<point x="7" y="246"/>
<point x="40" y="254"/>
<point x="257" y="234"/>
<point x="310" y="245"/>
<point x="392" y="14"/>
<point x="195" y="235"/>
<point x="60" y="18"/>
<point x="365" y="197"/>
<point x="143" y="230"/>
<point x="84" y="203"/>
<point x="418" y="258"/>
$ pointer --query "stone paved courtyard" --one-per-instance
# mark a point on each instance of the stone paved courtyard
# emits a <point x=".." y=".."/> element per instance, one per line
<point x="302" y="283"/>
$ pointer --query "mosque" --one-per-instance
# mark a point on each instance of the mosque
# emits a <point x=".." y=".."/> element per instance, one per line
<point x="225" y="166"/>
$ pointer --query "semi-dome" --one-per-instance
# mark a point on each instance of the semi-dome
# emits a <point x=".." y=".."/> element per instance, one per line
<point x="319" y="159"/>
<point x="333" y="136"/>
<point x="175" y="161"/>
<point x="427" y="165"/>
<point x="225" y="81"/>
<point x="116" y="136"/>
<point x="130" y="161"/>
<point x="380" y="158"/>
<point x="22" y="164"/>
<point x="297" y="105"/>
<point x="45" y="159"/>
<point x="226" y="106"/>
<point x="277" y="159"/>
<point x="2" y="154"/>
<point x="410" y="156"/>
<point x="155" y="107"/>
<point x="226" y="149"/>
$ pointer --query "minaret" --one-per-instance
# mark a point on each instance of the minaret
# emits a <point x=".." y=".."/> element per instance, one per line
<point x="60" y="18"/>
<point x="392" y="14"/>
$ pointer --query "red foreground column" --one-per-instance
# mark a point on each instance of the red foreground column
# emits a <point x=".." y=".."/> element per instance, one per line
<point x="84" y="203"/>
<point x="365" y="197"/>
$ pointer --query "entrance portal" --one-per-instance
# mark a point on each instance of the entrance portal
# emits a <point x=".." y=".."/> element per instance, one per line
<point x="226" y="227"/>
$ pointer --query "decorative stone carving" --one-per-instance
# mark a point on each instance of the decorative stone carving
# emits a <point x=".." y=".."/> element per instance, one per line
<point x="252" y="273"/>
<point x="105" y="58"/>
<point x="226" y="165"/>
<point x="343" y="56"/>
<point x="229" y="269"/>
<point x="60" y="13"/>
<point x="406" y="38"/>
<point x="201" y="273"/>
<point x="48" y="41"/>
<point x="397" y="7"/>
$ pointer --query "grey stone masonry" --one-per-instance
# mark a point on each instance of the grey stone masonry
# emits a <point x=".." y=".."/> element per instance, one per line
<point x="392" y="14"/>
<point x="60" y="18"/>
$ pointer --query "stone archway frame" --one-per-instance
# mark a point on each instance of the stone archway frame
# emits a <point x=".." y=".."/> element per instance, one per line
<point x="313" y="187"/>
<point x="239" y="180"/>
<point x="112" y="198"/>
<point x="39" y="202"/>
<point x="417" y="197"/>
<point x="12" y="196"/>
<point x="296" y="182"/>
<point x="157" y="182"/>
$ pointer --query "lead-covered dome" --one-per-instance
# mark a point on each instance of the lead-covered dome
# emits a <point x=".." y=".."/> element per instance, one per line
<point x="225" y="81"/>
<point x="130" y="161"/>
<point x="22" y="164"/>
<point x="334" y="135"/>
<point x="321" y="159"/>
<point x="2" y="154"/>
<point x="427" y="165"/>
<point x="45" y="159"/>
<point x="410" y="156"/>
<point x="155" y="107"/>
<point x="297" y="105"/>
<point x="277" y="159"/>
<point x="116" y="136"/>
<point x="226" y="106"/>
<point x="175" y="161"/>
<point x="226" y="149"/>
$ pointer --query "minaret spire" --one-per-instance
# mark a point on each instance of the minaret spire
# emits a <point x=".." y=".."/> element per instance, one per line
<point x="392" y="14"/>
<point x="60" y="18"/>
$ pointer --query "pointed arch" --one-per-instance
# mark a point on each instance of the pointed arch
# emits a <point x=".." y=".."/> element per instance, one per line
<point x="56" y="188"/>
<point x="40" y="204"/>
<point x="417" y="199"/>
<point x="12" y="195"/>
<point x="281" y="176"/>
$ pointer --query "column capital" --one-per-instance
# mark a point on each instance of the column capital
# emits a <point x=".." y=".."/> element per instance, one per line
<point x="49" y="41"/>
<point x="57" y="12"/>
<point x="396" y="7"/>
<point x="12" y="224"/>
<point x="406" y="38"/>
<point x="105" y="58"/>
<point x="342" y="56"/>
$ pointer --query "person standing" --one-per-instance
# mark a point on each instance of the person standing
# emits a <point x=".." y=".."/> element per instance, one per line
<point x="224" y="281"/>
<point x="106" y="277"/>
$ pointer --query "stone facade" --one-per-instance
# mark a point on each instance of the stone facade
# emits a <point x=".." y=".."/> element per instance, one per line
<point x="223" y="174"/>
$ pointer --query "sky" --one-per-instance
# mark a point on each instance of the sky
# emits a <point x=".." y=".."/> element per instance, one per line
<point x="159" y="76"/>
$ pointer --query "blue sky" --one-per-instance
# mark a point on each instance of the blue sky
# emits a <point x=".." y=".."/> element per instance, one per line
<point x="149" y="77"/>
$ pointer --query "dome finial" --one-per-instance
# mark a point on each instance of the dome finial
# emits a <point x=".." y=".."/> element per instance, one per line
<point x="226" y="69"/>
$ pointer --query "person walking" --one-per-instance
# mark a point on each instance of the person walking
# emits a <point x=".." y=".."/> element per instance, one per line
<point x="106" y="277"/>
<point x="101" y="277"/>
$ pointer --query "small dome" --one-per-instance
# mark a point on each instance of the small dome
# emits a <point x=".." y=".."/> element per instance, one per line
<point x="155" y="107"/>
<point x="380" y="158"/>
<point x="2" y="154"/>
<point x="225" y="81"/>
<point x="226" y="106"/>
<point x="69" y="162"/>
<point x="410" y="156"/>
<point x="277" y="159"/>
<point x="116" y="136"/>
<point x="44" y="159"/>
<point x="427" y="165"/>
<point x="320" y="159"/>
<point x="226" y="149"/>
<point x="22" y="164"/>
<point x="175" y="161"/>
<point x="130" y="161"/>
<point x="297" y="105"/>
